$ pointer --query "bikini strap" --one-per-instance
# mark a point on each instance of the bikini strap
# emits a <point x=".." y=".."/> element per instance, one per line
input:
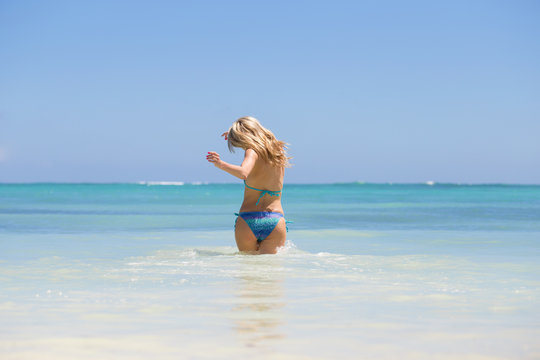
<point x="269" y="192"/>
<point x="287" y="222"/>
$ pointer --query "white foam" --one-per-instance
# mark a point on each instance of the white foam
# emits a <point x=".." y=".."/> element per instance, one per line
<point x="166" y="183"/>
<point x="287" y="248"/>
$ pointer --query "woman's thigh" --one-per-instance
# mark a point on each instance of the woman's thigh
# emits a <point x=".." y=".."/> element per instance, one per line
<point x="245" y="240"/>
<point x="276" y="239"/>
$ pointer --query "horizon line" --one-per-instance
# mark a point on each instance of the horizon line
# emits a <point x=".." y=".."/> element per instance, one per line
<point x="198" y="183"/>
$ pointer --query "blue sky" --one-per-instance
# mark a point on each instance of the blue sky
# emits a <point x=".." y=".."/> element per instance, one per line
<point x="375" y="91"/>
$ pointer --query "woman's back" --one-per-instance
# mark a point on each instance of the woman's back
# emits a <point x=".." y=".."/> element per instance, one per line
<point x="263" y="188"/>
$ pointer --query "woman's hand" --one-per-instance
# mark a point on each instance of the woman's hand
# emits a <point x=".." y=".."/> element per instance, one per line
<point x="226" y="135"/>
<point x="242" y="171"/>
<point x="213" y="157"/>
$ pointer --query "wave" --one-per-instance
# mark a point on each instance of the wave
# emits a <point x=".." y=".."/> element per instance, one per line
<point x="162" y="183"/>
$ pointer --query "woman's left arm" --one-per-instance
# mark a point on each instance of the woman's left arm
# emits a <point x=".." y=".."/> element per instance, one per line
<point x="242" y="171"/>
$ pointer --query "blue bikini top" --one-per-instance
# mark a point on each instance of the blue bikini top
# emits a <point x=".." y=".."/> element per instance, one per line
<point x="269" y="192"/>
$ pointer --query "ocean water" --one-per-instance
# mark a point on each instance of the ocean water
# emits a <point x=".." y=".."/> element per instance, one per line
<point x="370" y="271"/>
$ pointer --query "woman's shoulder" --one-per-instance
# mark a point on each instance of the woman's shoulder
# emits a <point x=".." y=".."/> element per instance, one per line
<point x="251" y="152"/>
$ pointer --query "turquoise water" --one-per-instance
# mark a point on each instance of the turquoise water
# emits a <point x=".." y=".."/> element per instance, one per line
<point x="379" y="271"/>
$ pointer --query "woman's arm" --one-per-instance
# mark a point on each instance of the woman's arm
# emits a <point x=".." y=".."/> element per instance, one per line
<point x="242" y="171"/>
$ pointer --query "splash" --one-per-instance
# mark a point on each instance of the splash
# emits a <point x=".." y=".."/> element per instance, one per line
<point x="288" y="248"/>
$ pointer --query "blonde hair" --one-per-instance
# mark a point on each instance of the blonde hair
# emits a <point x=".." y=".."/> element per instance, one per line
<point x="248" y="133"/>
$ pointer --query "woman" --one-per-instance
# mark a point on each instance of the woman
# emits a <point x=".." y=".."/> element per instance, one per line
<point x="260" y="226"/>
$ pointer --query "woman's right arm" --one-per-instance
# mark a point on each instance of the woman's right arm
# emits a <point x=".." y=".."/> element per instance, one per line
<point x="242" y="171"/>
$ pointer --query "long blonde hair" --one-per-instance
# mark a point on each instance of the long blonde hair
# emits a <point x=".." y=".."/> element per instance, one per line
<point x="248" y="133"/>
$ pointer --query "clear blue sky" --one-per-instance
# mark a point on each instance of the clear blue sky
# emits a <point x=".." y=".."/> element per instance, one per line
<point x="375" y="91"/>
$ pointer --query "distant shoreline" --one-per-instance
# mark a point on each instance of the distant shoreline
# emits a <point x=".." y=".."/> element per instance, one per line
<point x="203" y="183"/>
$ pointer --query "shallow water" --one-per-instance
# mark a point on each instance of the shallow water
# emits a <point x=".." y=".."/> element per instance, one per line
<point x="389" y="271"/>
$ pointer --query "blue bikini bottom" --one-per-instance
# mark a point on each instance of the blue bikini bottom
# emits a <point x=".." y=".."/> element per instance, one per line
<point x="261" y="223"/>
